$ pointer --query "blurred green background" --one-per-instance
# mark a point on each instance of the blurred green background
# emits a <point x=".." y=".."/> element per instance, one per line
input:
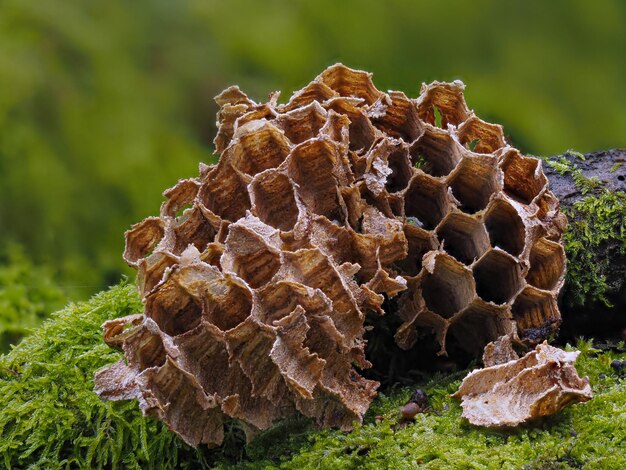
<point x="104" y="104"/>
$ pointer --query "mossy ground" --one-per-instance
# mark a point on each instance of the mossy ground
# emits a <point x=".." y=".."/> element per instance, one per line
<point x="52" y="419"/>
<point x="50" y="416"/>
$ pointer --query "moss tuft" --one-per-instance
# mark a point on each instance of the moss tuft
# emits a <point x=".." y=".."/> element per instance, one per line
<point x="52" y="419"/>
<point x="590" y="435"/>
<point x="596" y="221"/>
<point x="50" y="416"/>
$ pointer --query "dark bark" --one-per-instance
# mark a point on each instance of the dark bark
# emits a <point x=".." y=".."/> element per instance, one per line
<point x="593" y="318"/>
<point x="598" y="164"/>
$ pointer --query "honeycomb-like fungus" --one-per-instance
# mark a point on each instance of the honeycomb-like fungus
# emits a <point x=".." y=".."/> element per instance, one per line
<point x="507" y="394"/>
<point x="258" y="274"/>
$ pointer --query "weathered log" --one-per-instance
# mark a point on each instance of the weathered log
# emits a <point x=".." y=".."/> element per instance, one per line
<point x="592" y="192"/>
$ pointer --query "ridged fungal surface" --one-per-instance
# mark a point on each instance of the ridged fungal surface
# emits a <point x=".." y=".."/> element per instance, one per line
<point x="257" y="275"/>
<point x="539" y="384"/>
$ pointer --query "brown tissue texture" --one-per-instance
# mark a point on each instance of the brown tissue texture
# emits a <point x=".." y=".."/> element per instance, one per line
<point x="258" y="274"/>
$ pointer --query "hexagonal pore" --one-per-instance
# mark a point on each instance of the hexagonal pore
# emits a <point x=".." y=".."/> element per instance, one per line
<point x="173" y="308"/>
<point x="447" y="99"/>
<point x="420" y="242"/>
<point x="505" y="227"/>
<point x="362" y="132"/>
<point x="480" y="136"/>
<point x="447" y="286"/>
<point x="277" y="300"/>
<point x="474" y="181"/>
<point x="229" y="303"/>
<point x="435" y="152"/>
<point x="348" y="82"/>
<point x="523" y="178"/>
<point x="463" y="237"/>
<point x="250" y="256"/>
<point x="498" y="277"/>
<point x="273" y="199"/>
<point x="260" y="146"/>
<point x="547" y="264"/>
<point x="193" y="228"/>
<point x="312" y="166"/>
<point x="400" y="118"/>
<point x="479" y="324"/>
<point x="303" y="123"/>
<point x="401" y="171"/>
<point x="227" y="195"/>
<point x="536" y="314"/>
<point x="426" y="199"/>
<point x="142" y="238"/>
<point x="314" y="91"/>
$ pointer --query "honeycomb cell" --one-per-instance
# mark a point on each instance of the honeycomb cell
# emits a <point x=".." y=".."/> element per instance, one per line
<point x="252" y="252"/>
<point x="447" y="285"/>
<point x="447" y="99"/>
<point x="426" y="201"/>
<point x="399" y="118"/>
<point x="435" y="152"/>
<point x="229" y="303"/>
<point x="303" y="123"/>
<point x="233" y="104"/>
<point x="480" y="136"/>
<point x="259" y="145"/>
<point x="285" y="297"/>
<point x="523" y="177"/>
<point x="172" y="307"/>
<point x="420" y="242"/>
<point x="314" y="91"/>
<point x="549" y="215"/>
<point x="350" y="83"/>
<point x="142" y="238"/>
<point x="151" y="269"/>
<point x="463" y="237"/>
<point x="401" y="171"/>
<point x="260" y="114"/>
<point x="547" y="264"/>
<point x="227" y="196"/>
<point x="474" y="181"/>
<point x="422" y="324"/>
<point x="312" y="166"/>
<point x="479" y="324"/>
<point x="505" y="226"/>
<point x="192" y="228"/>
<point x="498" y="277"/>
<point x="362" y="133"/>
<point x="536" y="314"/>
<point x="179" y="197"/>
<point x="273" y="198"/>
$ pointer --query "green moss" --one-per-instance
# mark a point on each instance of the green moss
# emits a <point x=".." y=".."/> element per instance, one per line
<point x="593" y="222"/>
<point x="565" y="167"/>
<point x="27" y="296"/>
<point x="50" y="416"/>
<point x="598" y="220"/>
<point x="591" y="435"/>
<point x="52" y="419"/>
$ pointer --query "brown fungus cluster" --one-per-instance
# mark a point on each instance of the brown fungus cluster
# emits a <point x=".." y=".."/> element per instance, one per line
<point x="258" y="274"/>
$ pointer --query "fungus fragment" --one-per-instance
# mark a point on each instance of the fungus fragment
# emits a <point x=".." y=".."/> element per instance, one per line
<point x="539" y="384"/>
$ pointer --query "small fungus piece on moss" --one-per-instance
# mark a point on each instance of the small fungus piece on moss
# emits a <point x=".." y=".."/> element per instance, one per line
<point x="539" y="384"/>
